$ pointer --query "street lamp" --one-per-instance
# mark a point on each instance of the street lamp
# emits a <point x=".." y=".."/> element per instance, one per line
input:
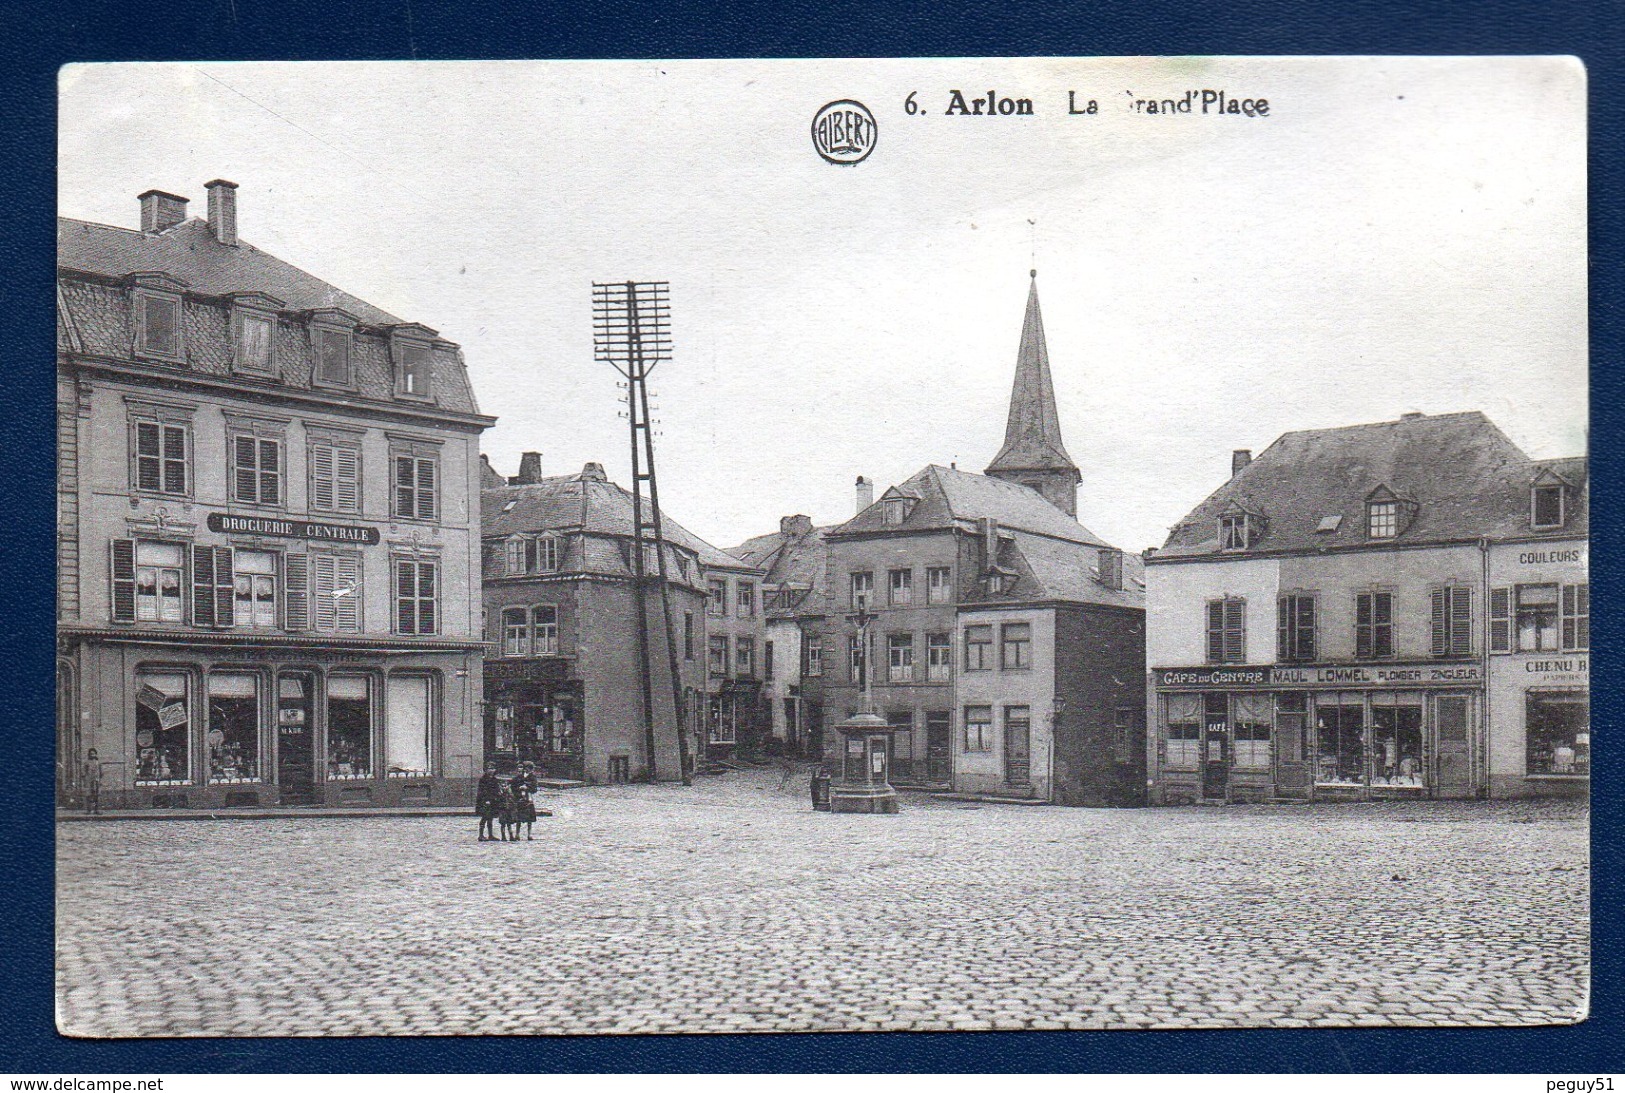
<point x="861" y="784"/>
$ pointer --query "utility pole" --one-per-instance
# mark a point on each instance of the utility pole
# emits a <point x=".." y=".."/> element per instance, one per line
<point x="632" y="332"/>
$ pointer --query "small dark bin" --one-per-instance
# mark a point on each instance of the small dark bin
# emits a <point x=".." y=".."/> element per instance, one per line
<point x="820" y="790"/>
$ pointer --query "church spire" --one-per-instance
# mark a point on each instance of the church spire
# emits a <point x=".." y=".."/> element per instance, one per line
<point x="1033" y="454"/>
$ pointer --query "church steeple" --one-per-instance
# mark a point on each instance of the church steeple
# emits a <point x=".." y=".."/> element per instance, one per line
<point x="1033" y="454"/>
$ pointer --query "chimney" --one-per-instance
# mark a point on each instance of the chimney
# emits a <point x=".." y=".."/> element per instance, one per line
<point x="866" y="493"/>
<point x="794" y="527"/>
<point x="160" y="210"/>
<point x="530" y="470"/>
<point x="1111" y="568"/>
<point x="223" y="211"/>
<point x="1239" y="460"/>
<point x="989" y="529"/>
<point x="593" y="472"/>
<point x="1412" y="416"/>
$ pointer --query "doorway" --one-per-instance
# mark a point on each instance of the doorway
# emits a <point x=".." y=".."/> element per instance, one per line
<point x="939" y="762"/>
<point x="1018" y="746"/>
<point x="1451" y="725"/>
<point x="1216" y="748"/>
<point x="295" y="738"/>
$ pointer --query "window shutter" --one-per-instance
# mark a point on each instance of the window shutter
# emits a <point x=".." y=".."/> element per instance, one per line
<point x="1461" y="621"/>
<point x="323" y="575"/>
<point x="426" y="598"/>
<point x="405" y="585"/>
<point x="1235" y="630"/>
<point x="1362" y="625"/>
<point x="347" y="479"/>
<point x="426" y="489"/>
<point x="1441" y="637"/>
<point x="122" y="568"/>
<point x="295" y="594"/>
<point x="1283" y="629"/>
<point x="203" y="586"/>
<point x="321" y="476"/>
<point x="270" y="472"/>
<point x="405" y="491"/>
<point x="347" y="608"/>
<point x="148" y="458"/>
<point x="174" y="459"/>
<point x="1306" y="627"/>
<point x="225" y="608"/>
<point x="1501" y="619"/>
<point x="245" y="474"/>
<point x="1215" y="631"/>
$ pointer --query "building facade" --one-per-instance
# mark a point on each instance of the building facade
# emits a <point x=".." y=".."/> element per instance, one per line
<point x="1341" y="620"/>
<point x="564" y="683"/>
<point x="268" y="528"/>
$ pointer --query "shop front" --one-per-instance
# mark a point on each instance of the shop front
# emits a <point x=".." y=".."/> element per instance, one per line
<point x="1331" y="732"/>
<point x="534" y="714"/>
<point x="188" y="725"/>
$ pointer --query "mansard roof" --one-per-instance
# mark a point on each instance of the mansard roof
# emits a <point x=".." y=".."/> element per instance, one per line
<point x="1464" y="477"/>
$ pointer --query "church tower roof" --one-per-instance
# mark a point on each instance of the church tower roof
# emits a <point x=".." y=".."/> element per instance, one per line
<point x="1033" y="453"/>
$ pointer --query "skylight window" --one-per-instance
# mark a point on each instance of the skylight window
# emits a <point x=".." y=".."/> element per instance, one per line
<point x="1330" y="523"/>
<point x="508" y="506"/>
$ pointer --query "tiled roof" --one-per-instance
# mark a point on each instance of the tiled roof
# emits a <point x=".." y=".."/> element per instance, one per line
<point x="583" y="503"/>
<point x="948" y="496"/>
<point x="1465" y="478"/>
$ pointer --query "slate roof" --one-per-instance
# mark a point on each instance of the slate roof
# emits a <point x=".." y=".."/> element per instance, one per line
<point x="793" y="561"/>
<point x="949" y="497"/>
<point x="1465" y="477"/>
<point x="588" y="504"/>
<point x="1051" y="570"/>
<point x="95" y="317"/>
<point x="1032" y="434"/>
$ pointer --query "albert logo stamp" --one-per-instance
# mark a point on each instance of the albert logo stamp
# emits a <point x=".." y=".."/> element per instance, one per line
<point x="844" y="132"/>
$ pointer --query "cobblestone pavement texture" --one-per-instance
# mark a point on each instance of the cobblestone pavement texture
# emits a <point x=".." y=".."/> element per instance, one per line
<point x="732" y="907"/>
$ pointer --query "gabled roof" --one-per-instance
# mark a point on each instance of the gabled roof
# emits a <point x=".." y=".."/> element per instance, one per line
<point x="1051" y="570"/>
<point x="1032" y="434"/>
<point x="949" y="497"/>
<point x="190" y="252"/>
<point x="583" y="503"/>
<point x="793" y="560"/>
<point x="1466" y="479"/>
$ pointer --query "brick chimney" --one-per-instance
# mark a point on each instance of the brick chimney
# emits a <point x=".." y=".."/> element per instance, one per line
<point x="794" y="527"/>
<point x="530" y="470"/>
<point x="866" y="493"/>
<point x="1239" y="460"/>
<point x="989" y="531"/>
<point x="223" y="211"/>
<point x="160" y="210"/>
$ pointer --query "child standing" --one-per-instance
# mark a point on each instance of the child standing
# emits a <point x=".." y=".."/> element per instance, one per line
<point x="488" y="802"/>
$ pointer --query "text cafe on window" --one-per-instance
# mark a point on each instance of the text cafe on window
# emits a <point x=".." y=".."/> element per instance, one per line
<point x="1345" y="732"/>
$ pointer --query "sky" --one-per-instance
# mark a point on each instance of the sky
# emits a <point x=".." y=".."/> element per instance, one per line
<point x="1397" y="234"/>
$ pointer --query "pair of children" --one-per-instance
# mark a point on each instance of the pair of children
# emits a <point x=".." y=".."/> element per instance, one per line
<point x="505" y="805"/>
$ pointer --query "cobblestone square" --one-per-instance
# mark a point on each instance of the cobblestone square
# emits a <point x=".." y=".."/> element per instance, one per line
<point x="732" y="907"/>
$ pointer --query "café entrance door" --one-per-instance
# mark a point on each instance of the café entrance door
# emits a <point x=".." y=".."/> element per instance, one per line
<point x="1216" y="748"/>
<point x="295" y="738"/>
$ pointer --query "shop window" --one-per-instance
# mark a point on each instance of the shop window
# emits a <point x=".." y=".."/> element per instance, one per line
<point x="863" y="590"/>
<point x="744" y="657"/>
<point x="979" y="728"/>
<point x="234" y="727"/>
<point x="1451" y="618"/>
<point x="408" y="726"/>
<point x="900" y="658"/>
<point x="515" y="632"/>
<point x="254" y="589"/>
<point x="1251" y="733"/>
<point x="1340" y="740"/>
<point x="252" y="342"/>
<point x="721" y="727"/>
<point x="349" y="727"/>
<point x="1373" y="625"/>
<point x="1546" y="507"/>
<point x="939" y="584"/>
<point x="544" y="638"/>
<point x="1295" y="628"/>
<point x="335" y="477"/>
<point x="416" y="596"/>
<point x="978" y="648"/>
<point x="415" y="490"/>
<point x="717" y="655"/>
<point x="1016" y="645"/>
<point x="1396" y="742"/>
<point x="336" y="592"/>
<point x="162" y="728"/>
<point x="1576" y="617"/>
<point x="159" y="569"/>
<point x="939" y="658"/>
<point x="1227" y="631"/>
<point x="900" y="583"/>
<point x="563" y="735"/>
<point x="161" y="457"/>
<point x="716" y="600"/>
<point x="256" y="470"/>
<point x="1184" y="733"/>
<point x="814" y="646"/>
<point x="1559" y="733"/>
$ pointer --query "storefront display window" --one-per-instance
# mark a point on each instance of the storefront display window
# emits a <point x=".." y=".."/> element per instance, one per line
<point x="1340" y="734"/>
<point x="1559" y="728"/>
<point x="1396" y="741"/>
<point x="349" y="727"/>
<point x="406" y="733"/>
<point x="234" y="727"/>
<point x="1252" y="731"/>
<point x="162" y="727"/>
<point x="1184" y="731"/>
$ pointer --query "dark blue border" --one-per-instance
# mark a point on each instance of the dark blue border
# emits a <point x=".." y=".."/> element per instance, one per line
<point x="41" y="36"/>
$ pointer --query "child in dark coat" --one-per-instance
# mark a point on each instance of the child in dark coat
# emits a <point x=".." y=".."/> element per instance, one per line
<point x="488" y="802"/>
<point x="523" y="787"/>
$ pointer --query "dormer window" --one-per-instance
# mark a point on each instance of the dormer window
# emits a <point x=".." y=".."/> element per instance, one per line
<point x="896" y="511"/>
<point x="410" y="351"/>
<point x="1382" y="519"/>
<point x="1235" y="531"/>
<point x="253" y="334"/>
<point x="1547" y="507"/>
<point x="332" y="334"/>
<point x="155" y="301"/>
